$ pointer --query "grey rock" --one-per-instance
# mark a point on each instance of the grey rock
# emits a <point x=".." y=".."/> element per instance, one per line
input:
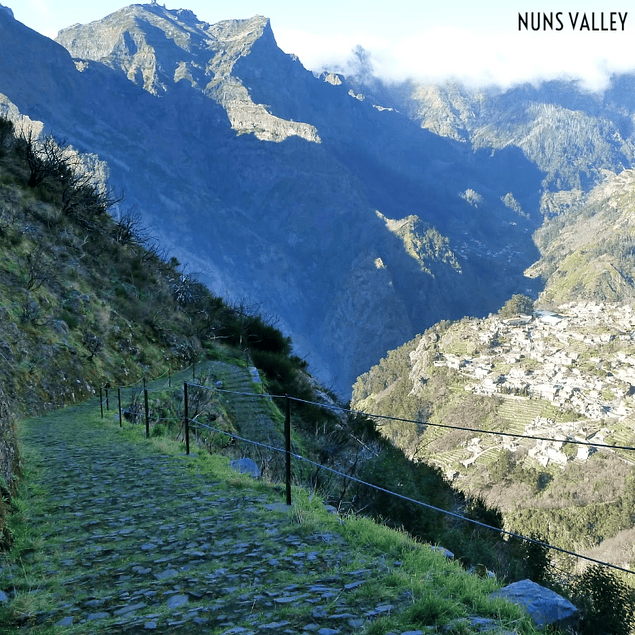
<point x="246" y="466"/>
<point x="442" y="550"/>
<point x="3" y="597"/>
<point x="353" y="585"/>
<point x="288" y="599"/>
<point x="164" y="575"/>
<point x="148" y="546"/>
<point x="177" y="600"/>
<point x="342" y="616"/>
<point x="543" y="605"/>
<point x="278" y="507"/>
<point x="131" y="608"/>
<point x="201" y="620"/>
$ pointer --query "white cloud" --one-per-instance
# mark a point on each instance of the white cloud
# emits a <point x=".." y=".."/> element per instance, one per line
<point x="317" y="51"/>
<point x="474" y="58"/>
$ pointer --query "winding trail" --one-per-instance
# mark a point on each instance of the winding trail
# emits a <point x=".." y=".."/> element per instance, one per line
<point x="135" y="540"/>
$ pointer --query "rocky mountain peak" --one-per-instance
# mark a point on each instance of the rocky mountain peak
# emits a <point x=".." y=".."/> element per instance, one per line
<point x="354" y="232"/>
<point x="158" y="48"/>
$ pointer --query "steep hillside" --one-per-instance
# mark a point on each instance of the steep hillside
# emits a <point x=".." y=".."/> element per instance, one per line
<point x="282" y="189"/>
<point x="572" y="135"/>
<point x="88" y="301"/>
<point x="558" y="379"/>
<point x="587" y="251"/>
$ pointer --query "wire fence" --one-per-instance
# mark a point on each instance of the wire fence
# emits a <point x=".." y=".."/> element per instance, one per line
<point x="188" y="423"/>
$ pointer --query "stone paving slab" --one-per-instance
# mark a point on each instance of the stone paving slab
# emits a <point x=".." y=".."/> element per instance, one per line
<point x="134" y="541"/>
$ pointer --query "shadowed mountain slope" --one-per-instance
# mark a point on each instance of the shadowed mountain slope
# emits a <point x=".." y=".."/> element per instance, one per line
<point x="280" y="189"/>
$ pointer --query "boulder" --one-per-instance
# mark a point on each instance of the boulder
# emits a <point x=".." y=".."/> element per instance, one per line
<point x="246" y="466"/>
<point x="446" y="552"/>
<point x="543" y="605"/>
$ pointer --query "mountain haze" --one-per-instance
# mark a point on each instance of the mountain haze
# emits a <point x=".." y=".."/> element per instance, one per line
<point x="348" y="222"/>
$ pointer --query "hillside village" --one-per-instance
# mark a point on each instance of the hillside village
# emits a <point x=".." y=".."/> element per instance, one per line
<point x="580" y="359"/>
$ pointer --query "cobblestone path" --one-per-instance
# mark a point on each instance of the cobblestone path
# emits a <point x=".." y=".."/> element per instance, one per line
<point x="135" y="541"/>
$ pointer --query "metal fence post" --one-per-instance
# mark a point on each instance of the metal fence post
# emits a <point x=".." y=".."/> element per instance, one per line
<point x="145" y="401"/>
<point x="187" y="420"/>
<point x="107" y="400"/>
<point x="287" y="438"/>
<point x="101" y="402"/>
<point x="119" y="402"/>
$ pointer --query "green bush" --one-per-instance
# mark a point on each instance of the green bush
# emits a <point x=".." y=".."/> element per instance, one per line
<point x="537" y="559"/>
<point x="606" y="604"/>
<point x="159" y="430"/>
<point x="279" y="369"/>
<point x="265" y="337"/>
<point x="516" y="305"/>
<point x="392" y="471"/>
<point x="6" y="135"/>
<point x="71" y="320"/>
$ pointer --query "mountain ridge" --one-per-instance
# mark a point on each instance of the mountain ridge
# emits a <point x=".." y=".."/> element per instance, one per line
<point x="229" y="190"/>
<point x="571" y="134"/>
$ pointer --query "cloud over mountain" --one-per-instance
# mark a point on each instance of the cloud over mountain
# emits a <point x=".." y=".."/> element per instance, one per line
<point x="476" y="59"/>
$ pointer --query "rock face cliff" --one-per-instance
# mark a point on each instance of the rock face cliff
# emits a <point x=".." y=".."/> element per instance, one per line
<point x="157" y="49"/>
<point x="573" y="135"/>
<point x="349" y="224"/>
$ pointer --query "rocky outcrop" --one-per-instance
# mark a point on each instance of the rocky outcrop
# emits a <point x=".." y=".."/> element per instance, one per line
<point x="157" y="48"/>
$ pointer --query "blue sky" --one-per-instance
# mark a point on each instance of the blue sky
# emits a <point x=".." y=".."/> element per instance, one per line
<point x="477" y="42"/>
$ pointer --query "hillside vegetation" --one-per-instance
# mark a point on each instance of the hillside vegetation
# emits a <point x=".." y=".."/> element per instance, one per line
<point x="564" y="379"/>
<point x="587" y="249"/>
<point x="88" y="300"/>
